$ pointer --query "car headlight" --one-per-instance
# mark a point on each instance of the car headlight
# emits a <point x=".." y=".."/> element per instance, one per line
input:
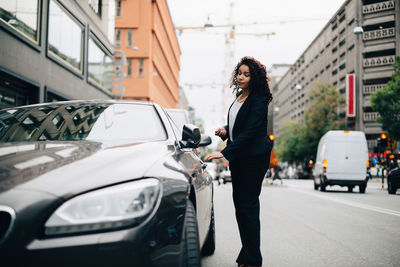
<point x="104" y="209"/>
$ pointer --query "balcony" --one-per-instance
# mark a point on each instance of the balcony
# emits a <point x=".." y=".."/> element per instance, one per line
<point x="379" y="34"/>
<point x="370" y="116"/>
<point x="377" y="7"/>
<point x="378" y="61"/>
<point x="371" y="89"/>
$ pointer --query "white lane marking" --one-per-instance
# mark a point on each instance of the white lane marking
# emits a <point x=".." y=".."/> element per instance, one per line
<point x="352" y="204"/>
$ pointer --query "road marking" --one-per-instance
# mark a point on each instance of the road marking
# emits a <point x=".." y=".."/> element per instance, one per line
<point x="352" y="204"/>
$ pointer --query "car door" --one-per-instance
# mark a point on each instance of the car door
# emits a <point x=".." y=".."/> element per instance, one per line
<point x="202" y="183"/>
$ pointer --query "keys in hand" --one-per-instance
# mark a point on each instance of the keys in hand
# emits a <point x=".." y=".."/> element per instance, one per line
<point x="221" y="132"/>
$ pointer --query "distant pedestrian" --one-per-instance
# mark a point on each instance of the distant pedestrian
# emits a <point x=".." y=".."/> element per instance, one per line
<point x="248" y="152"/>
<point x="275" y="174"/>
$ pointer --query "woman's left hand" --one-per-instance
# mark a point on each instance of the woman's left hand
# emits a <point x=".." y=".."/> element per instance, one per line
<point x="217" y="155"/>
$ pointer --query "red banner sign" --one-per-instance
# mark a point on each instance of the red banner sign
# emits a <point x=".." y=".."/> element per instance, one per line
<point x="351" y="95"/>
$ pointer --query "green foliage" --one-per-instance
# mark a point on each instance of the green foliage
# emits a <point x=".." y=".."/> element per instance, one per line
<point x="299" y="140"/>
<point x="289" y="146"/>
<point x="387" y="103"/>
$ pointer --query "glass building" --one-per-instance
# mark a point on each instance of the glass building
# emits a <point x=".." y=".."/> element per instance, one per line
<point x="55" y="50"/>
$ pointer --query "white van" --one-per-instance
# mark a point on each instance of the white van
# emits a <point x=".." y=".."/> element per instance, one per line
<point x="342" y="159"/>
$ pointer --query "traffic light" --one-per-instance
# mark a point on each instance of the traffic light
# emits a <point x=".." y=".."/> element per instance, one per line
<point x="272" y="138"/>
<point x="382" y="143"/>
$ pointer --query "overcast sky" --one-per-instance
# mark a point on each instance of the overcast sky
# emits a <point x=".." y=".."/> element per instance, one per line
<point x="296" y="23"/>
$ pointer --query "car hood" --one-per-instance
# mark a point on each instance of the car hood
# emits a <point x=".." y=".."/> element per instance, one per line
<point x="68" y="168"/>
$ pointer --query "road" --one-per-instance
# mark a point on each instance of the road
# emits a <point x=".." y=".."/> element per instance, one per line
<point x="303" y="227"/>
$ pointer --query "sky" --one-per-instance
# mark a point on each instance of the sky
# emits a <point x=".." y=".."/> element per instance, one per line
<point x="205" y="65"/>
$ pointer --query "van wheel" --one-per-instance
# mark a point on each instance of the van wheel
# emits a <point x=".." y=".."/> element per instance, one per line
<point x="350" y="188"/>
<point x="190" y="239"/>
<point x="362" y="188"/>
<point x="391" y="190"/>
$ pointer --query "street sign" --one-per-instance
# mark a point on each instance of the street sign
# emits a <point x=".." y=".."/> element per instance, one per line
<point x="351" y="95"/>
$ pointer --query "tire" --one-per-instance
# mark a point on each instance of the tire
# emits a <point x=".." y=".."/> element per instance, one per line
<point x="209" y="245"/>
<point x="391" y="190"/>
<point x="362" y="188"/>
<point x="190" y="239"/>
<point x="315" y="186"/>
<point x="350" y="188"/>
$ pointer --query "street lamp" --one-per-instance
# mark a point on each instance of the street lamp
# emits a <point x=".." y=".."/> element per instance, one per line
<point x="358" y="31"/>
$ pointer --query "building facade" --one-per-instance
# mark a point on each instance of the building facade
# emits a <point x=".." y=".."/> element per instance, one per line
<point x="54" y="50"/>
<point x="338" y="51"/>
<point x="144" y="32"/>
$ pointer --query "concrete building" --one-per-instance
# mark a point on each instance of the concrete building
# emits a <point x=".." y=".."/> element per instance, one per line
<point x="275" y="73"/>
<point x="145" y="33"/>
<point x="337" y="52"/>
<point x="54" y="50"/>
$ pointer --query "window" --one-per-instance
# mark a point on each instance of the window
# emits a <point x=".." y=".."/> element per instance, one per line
<point x="65" y="37"/>
<point x="99" y="64"/>
<point x="129" y="39"/>
<point x="129" y="68"/>
<point x="23" y="16"/>
<point x="117" y="37"/>
<point x="95" y="5"/>
<point x="118" y="8"/>
<point x="141" y="68"/>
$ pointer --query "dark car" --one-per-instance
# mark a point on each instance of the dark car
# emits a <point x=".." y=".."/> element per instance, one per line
<point x="393" y="180"/>
<point x="101" y="183"/>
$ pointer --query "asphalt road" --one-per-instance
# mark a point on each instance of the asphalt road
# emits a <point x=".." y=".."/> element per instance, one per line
<point x="303" y="227"/>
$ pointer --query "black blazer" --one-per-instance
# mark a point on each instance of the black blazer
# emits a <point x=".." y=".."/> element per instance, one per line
<point x="249" y="131"/>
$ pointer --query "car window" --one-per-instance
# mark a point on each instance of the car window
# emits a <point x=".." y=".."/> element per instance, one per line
<point x="177" y="133"/>
<point x="179" y="118"/>
<point x="103" y="122"/>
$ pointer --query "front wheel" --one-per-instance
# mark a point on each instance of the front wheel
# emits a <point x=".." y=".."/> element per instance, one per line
<point x="209" y="245"/>
<point x="391" y="190"/>
<point x="362" y="188"/>
<point x="190" y="239"/>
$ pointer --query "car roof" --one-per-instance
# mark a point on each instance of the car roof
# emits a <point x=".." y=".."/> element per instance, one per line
<point x="93" y="101"/>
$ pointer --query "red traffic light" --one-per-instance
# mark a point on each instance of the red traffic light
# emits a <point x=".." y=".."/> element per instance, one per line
<point x="383" y="136"/>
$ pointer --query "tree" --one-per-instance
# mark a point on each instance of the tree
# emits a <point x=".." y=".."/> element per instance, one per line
<point x="288" y="145"/>
<point x="387" y="103"/>
<point x="299" y="140"/>
<point x="322" y="116"/>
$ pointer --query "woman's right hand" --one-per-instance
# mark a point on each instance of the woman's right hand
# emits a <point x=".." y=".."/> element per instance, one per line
<point x="221" y="132"/>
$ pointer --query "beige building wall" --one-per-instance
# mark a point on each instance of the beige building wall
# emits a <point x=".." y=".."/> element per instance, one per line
<point x="333" y="54"/>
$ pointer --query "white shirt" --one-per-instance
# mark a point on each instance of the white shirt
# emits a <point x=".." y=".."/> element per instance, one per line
<point x="232" y="116"/>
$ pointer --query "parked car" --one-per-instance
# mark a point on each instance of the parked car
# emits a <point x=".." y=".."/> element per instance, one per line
<point x="393" y="180"/>
<point x="225" y="175"/>
<point x="342" y="159"/>
<point x="102" y="183"/>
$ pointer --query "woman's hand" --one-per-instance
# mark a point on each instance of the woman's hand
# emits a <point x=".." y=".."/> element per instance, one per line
<point x="221" y="132"/>
<point x="217" y="155"/>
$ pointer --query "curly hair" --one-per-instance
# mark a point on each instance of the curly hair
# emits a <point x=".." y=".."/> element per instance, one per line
<point x="258" y="77"/>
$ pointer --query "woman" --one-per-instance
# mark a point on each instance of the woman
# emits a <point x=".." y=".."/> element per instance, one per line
<point x="248" y="150"/>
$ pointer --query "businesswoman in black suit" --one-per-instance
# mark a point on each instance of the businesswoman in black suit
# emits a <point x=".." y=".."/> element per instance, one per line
<point x="248" y="152"/>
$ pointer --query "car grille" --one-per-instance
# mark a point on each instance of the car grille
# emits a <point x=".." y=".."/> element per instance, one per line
<point x="7" y="216"/>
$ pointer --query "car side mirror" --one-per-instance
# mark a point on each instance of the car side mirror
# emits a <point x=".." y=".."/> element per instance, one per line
<point x="191" y="136"/>
<point x="205" y="140"/>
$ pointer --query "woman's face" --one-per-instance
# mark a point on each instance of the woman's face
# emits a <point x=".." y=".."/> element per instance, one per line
<point x="243" y="77"/>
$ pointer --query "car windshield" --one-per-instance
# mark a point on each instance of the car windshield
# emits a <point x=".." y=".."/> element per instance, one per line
<point x="82" y="121"/>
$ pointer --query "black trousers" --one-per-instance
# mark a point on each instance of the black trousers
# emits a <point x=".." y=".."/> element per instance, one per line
<point x="247" y="178"/>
